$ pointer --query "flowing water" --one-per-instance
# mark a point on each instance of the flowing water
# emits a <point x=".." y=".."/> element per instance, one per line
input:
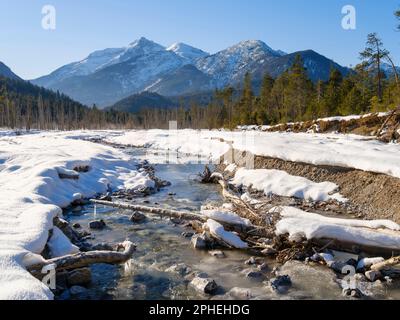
<point x="160" y="245"/>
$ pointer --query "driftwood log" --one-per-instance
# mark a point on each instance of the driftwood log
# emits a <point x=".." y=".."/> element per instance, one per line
<point x="159" y="211"/>
<point x="84" y="259"/>
<point x="183" y="215"/>
<point x="386" y="264"/>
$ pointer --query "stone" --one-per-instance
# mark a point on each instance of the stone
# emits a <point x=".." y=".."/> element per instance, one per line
<point x="196" y="274"/>
<point x="241" y="293"/>
<point x="352" y="262"/>
<point x="281" y="284"/>
<point x="79" y="277"/>
<point x="217" y="254"/>
<point x="269" y="251"/>
<point x="199" y="242"/>
<point x="256" y="275"/>
<point x="77" y="290"/>
<point x="181" y="269"/>
<point x="337" y="266"/>
<point x="253" y="261"/>
<point x="187" y="234"/>
<point x="373" y="275"/>
<point x="97" y="224"/>
<point x="137" y="217"/>
<point x="204" y="285"/>
<point x="356" y="293"/>
<point x="263" y="267"/>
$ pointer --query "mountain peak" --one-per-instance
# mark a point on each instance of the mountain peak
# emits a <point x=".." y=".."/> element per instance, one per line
<point x="188" y="52"/>
<point x="144" y="42"/>
<point x="253" y="45"/>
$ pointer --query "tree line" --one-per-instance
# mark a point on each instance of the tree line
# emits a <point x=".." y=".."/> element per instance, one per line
<point x="26" y="106"/>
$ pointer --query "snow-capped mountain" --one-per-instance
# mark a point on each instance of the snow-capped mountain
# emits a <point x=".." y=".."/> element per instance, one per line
<point x="6" y="72"/>
<point x="231" y="65"/>
<point x="107" y="76"/>
<point x="187" y="52"/>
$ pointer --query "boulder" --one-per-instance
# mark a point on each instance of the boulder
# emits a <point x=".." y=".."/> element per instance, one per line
<point x="79" y="277"/>
<point x="281" y="284"/>
<point x="199" y="242"/>
<point x="204" y="285"/>
<point x="97" y="224"/>
<point x="373" y="275"/>
<point x="256" y="275"/>
<point x="137" y="217"/>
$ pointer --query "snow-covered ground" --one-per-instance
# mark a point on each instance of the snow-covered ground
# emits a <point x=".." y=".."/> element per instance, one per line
<point x="283" y="184"/>
<point x="32" y="194"/>
<point x="313" y="226"/>
<point x="342" y="150"/>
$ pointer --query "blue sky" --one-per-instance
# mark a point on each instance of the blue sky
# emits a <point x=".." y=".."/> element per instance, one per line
<point x="212" y="25"/>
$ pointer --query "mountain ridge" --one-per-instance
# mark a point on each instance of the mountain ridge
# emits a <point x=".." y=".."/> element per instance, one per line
<point x="107" y="76"/>
<point x="5" y="71"/>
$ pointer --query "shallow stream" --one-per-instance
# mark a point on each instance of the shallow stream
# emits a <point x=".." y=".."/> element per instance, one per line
<point x="160" y="245"/>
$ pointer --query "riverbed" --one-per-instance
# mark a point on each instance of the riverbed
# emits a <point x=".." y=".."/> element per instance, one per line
<point x="165" y="257"/>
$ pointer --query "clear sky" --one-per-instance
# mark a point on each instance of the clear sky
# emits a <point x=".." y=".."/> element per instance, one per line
<point x="212" y="25"/>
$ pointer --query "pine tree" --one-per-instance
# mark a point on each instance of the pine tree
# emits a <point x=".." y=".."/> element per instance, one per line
<point x="298" y="90"/>
<point x="332" y="97"/>
<point x="372" y="56"/>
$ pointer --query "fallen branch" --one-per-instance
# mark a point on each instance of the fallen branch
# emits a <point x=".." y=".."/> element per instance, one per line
<point x="229" y="195"/>
<point x="174" y="214"/>
<point x="159" y="211"/>
<point x="84" y="259"/>
<point x="390" y="116"/>
<point x="386" y="264"/>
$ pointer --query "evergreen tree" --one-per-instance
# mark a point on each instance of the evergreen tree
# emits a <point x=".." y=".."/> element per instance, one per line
<point x="298" y="91"/>
<point x="372" y="56"/>
<point x="332" y="96"/>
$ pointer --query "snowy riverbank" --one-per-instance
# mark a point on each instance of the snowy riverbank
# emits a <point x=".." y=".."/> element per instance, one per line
<point x="349" y="151"/>
<point x="32" y="194"/>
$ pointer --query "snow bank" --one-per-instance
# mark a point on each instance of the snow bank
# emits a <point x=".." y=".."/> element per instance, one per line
<point x="283" y="184"/>
<point x="352" y="117"/>
<point x="350" y="151"/>
<point x="217" y="230"/>
<point x="313" y="226"/>
<point x="32" y="194"/>
<point x="224" y="215"/>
